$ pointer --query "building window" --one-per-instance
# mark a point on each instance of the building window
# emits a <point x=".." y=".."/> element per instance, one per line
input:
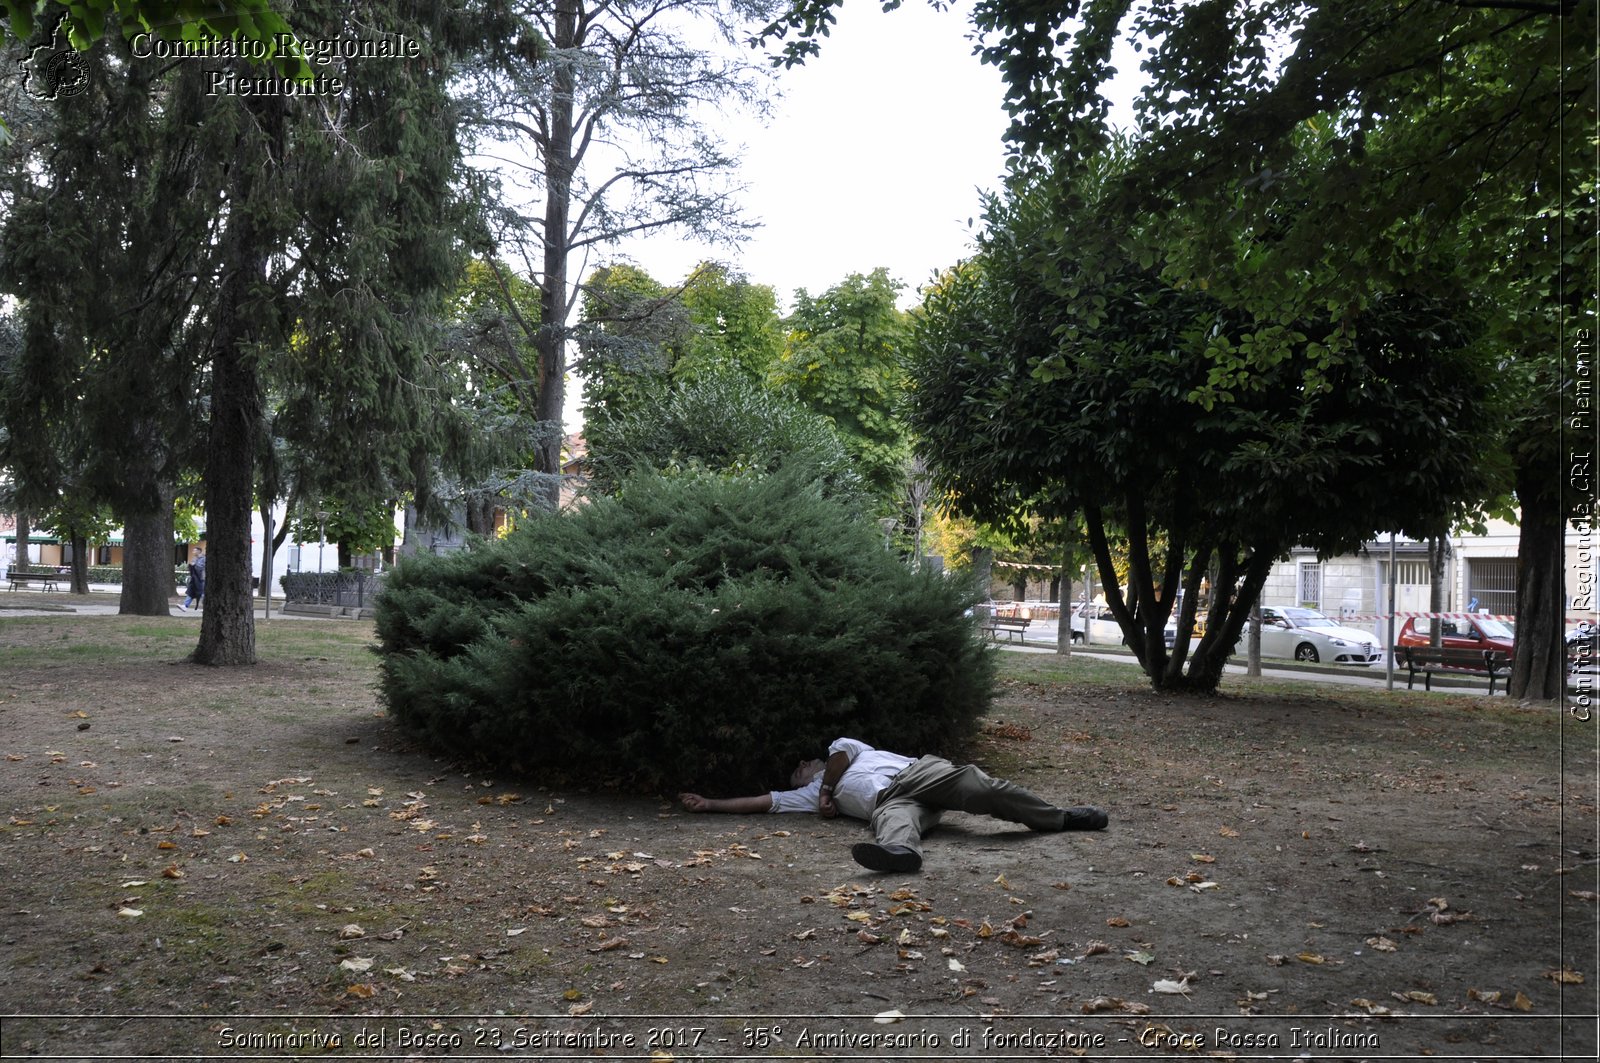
<point x="1311" y="584"/>
<point x="1492" y="585"/>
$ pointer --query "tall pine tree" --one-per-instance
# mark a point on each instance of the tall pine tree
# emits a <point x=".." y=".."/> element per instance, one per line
<point x="324" y="238"/>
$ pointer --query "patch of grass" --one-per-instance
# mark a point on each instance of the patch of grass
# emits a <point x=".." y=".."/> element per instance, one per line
<point x="1075" y="670"/>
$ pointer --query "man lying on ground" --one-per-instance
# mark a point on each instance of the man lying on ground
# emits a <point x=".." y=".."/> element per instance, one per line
<point x="901" y="798"/>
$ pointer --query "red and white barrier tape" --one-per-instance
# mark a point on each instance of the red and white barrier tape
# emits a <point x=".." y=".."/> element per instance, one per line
<point x="1590" y="619"/>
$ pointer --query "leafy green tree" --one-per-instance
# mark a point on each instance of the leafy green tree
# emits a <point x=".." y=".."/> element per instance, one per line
<point x="639" y="337"/>
<point x="353" y="528"/>
<point x="81" y="525"/>
<point x="1450" y="148"/>
<point x="725" y="424"/>
<point x="1444" y="147"/>
<point x="1059" y="373"/>
<point x="843" y="359"/>
<point x="734" y="325"/>
<point x="632" y="328"/>
<point x="629" y="75"/>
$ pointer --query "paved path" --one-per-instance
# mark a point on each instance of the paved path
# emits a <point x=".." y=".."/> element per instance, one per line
<point x="102" y="600"/>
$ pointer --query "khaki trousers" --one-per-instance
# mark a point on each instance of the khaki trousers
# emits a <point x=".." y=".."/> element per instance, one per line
<point x="911" y="805"/>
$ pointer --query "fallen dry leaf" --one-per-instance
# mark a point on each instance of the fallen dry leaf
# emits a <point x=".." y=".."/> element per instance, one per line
<point x="1130" y="1007"/>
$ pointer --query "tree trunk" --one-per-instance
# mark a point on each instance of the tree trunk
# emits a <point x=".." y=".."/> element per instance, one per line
<point x="269" y="551"/>
<point x="982" y="573"/>
<point x="147" y="584"/>
<point x="227" y="626"/>
<point x="480" y="516"/>
<point x="23" y="531"/>
<point x="80" y="564"/>
<point x="551" y="339"/>
<point x="1435" y="588"/>
<point x="1063" y="596"/>
<point x="1538" y="669"/>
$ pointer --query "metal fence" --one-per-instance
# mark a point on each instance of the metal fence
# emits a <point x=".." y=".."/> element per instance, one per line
<point x="346" y="590"/>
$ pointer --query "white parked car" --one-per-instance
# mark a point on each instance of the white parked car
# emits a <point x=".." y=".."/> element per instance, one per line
<point x="1103" y="628"/>
<point x="1307" y="635"/>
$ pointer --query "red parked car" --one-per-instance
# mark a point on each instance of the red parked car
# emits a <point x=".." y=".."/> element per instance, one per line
<point x="1469" y="633"/>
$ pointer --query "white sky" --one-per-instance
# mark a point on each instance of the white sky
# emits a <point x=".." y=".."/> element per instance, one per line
<point x="874" y="156"/>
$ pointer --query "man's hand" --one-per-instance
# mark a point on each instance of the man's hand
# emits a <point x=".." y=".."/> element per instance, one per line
<point x="825" y="805"/>
<point x="741" y="805"/>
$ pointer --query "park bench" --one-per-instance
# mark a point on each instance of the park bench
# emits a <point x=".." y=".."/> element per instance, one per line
<point x="1428" y="660"/>
<point x="48" y="581"/>
<point x="1011" y="625"/>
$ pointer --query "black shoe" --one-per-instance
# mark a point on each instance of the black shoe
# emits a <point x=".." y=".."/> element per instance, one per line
<point x="877" y="857"/>
<point x="1084" y="817"/>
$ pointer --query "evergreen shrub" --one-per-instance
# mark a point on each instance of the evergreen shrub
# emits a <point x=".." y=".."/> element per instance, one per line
<point x="691" y="630"/>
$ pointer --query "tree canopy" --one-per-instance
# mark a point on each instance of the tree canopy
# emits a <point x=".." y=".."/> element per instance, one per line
<point x="843" y="358"/>
<point x="1058" y="372"/>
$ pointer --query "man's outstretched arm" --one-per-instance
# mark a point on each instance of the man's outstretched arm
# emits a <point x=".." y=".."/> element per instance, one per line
<point x="740" y="805"/>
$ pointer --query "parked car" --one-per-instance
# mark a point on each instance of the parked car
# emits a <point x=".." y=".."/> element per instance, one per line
<point x="1310" y="636"/>
<point x="1459" y="633"/>
<point x="1102" y="626"/>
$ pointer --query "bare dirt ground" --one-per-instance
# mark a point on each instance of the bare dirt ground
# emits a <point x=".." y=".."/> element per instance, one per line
<point x="225" y="864"/>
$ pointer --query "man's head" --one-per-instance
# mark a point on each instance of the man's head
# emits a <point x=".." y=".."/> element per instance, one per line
<point x="804" y="772"/>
